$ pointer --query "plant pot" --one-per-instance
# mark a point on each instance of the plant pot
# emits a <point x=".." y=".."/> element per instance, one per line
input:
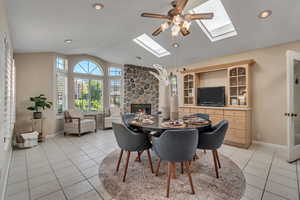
<point x="37" y="115"/>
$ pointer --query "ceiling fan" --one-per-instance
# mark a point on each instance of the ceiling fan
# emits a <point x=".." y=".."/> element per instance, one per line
<point x="177" y="20"/>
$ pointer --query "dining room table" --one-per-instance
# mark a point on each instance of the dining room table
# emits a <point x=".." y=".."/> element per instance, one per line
<point x="155" y="125"/>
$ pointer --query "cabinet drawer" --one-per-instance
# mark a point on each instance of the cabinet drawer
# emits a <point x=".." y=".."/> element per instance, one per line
<point x="236" y="122"/>
<point x="214" y="111"/>
<point x="237" y="136"/>
<point x="197" y="110"/>
<point x="238" y="113"/>
<point x="215" y="119"/>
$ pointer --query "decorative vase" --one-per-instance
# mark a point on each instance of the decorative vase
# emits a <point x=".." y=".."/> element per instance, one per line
<point x="166" y="101"/>
<point x="174" y="107"/>
<point x="37" y="115"/>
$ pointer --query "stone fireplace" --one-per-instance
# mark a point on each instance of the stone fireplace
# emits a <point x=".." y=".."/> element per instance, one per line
<point x="140" y="88"/>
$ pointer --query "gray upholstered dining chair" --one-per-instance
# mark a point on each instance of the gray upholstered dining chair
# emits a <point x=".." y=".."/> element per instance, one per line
<point x="176" y="146"/>
<point x="213" y="141"/>
<point x="126" y="117"/>
<point x="201" y="115"/>
<point x="131" y="142"/>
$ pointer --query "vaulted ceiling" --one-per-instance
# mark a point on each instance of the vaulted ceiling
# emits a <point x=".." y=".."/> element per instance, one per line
<point x="42" y="26"/>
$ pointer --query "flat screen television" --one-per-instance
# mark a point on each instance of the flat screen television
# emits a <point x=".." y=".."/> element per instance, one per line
<point x="211" y="96"/>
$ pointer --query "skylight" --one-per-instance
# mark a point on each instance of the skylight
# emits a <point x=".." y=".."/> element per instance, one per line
<point x="150" y="45"/>
<point x="220" y="27"/>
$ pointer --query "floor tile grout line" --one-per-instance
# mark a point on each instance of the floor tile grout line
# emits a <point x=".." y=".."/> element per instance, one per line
<point x="297" y="174"/>
<point x="85" y="178"/>
<point x="269" y="171"/>
<point x="249" y="159"/>
<point x="54" y="172"/>
<point x="27" y="175"/>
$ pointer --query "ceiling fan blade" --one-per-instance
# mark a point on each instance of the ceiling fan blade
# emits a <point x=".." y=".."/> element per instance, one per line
<point x="199" y="16"/>
<point x="184" y="31"/>
<point x="157" y="31"/>
<point x="180" y="5"/>
<point x="158" y="16"/>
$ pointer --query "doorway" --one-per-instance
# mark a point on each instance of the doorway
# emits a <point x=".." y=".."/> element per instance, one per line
<point x="293" y="105"/>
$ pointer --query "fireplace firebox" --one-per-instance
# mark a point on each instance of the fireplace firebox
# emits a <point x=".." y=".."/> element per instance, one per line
<point x="141" y="107"/>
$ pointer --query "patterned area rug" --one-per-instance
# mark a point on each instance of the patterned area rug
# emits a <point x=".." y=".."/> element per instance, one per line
<point x="141" y="184"/>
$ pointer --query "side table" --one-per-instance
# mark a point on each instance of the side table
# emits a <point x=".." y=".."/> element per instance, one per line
<point x="37" y="125"/>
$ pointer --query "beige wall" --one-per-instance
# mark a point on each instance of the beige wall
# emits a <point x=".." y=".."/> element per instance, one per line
<point x="35" y="74"/>
<point x="268" y="89"/>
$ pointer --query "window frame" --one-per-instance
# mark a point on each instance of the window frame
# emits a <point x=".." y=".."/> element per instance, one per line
<point x="86" y="76"/>
<point x="63" y="73"/>
<point x="110" y="86"/>
<point x="87" y="73"/>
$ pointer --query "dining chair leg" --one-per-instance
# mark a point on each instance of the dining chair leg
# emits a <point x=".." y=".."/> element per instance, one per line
<point x="119" y="161"/>
<point x="218" y="159"/>
<point x="150" y="160"/>
<point x="138" y="158"/>
<point x="126" y="166"/>
<point x="182" y="171"/>
<point x="215" y="163"/>
<point x="157" y="168"/>
<point x="170" y="169"/>
<point x="190" y="177"/>
<point x="174" y="176"/>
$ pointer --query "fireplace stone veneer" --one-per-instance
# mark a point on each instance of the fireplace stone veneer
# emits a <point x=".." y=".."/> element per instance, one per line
<point x="140" y="87"/>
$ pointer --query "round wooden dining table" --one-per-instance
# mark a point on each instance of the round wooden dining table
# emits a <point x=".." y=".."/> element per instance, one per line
<point x="158" y="125"/>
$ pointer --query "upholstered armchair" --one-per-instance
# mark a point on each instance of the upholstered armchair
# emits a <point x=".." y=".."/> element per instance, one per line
<point x="77" y="123"/>
<point x="110" y="115"/>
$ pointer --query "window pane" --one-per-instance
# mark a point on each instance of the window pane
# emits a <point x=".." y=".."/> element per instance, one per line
<point x="114" y="71"/>
<point x="88" y="94"/>
<point x="61" y="84"/>
<point x="115" y="93"/>
<point x="88" y="67"/>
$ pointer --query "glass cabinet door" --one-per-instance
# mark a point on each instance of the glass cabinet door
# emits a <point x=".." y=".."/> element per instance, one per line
<point x="188" y="89"/>
<point x="238" y="86"/>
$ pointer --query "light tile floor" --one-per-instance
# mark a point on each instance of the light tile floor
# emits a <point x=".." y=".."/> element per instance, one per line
<point x="65" y="168"/>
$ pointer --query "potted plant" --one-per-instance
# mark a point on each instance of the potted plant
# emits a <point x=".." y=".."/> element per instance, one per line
<point x="40" y="102"/>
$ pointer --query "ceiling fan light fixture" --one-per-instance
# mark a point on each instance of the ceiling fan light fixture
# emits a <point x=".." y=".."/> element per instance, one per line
<point x="164" y="26"/>
<point x="175" y="30"/>
<point x="265" y="14"/>
<point x="186" y="24"/>
<point x="98" y="6"/>
<point x="177" y="19"/>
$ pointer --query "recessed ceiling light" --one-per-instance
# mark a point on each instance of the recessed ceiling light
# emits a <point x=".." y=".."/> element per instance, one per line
<point x="175" y="45"/>
<point x="98" y="6"/>
<point x="265" y="14"/>
<point x="68" y="41"/>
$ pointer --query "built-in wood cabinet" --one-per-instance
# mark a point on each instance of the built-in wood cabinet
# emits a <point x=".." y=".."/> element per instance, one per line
<point x="239" y="131"/>
<point x="238" y="105"/>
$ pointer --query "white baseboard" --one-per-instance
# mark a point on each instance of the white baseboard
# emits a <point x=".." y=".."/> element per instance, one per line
<point x="3" y="181"/>
<point x="270" y="144"/>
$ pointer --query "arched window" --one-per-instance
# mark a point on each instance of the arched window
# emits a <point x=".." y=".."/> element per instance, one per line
<point x="88" y="90"/>
<point x="88" y="67"/>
